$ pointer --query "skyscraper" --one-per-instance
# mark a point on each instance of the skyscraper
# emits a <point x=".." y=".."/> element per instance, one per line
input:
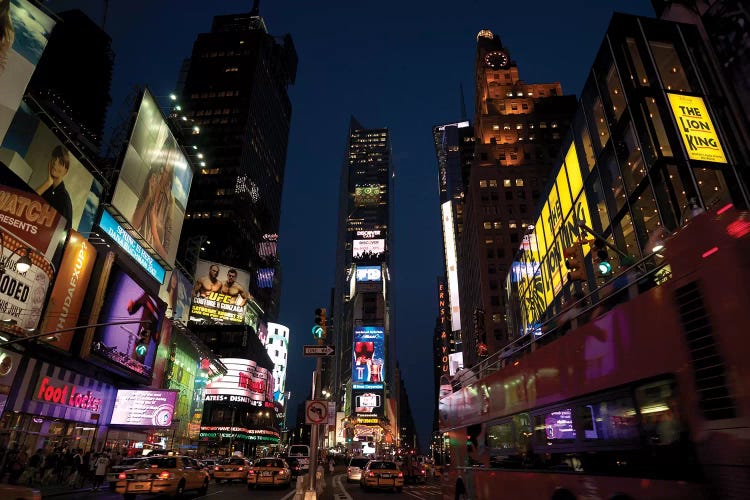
<point x="518" y="128"/>
<point x="362" y="302"/>
<point x="235" y="94"/>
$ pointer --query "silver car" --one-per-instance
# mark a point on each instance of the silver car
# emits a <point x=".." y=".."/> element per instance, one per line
<point x="354" y="471"/>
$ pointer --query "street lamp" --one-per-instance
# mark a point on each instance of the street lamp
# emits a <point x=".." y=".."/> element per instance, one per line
<point x="23" y="264"/>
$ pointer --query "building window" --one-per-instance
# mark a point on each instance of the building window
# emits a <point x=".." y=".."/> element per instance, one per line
<point x="497" y="225"/>
<point x="483" y="184"/>
<point x="524" y="106"/>
<point x="670" y="68"/>
<point x="497" y="318"/>
<point x="493" y="183"/>
<point x="487" y="225"/>
<point x="506" y="183"/>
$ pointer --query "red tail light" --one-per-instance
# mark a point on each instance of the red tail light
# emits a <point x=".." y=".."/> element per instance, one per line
<point x="250" y="471"/>
<point x="165" y="474"/>
<point x="400" y="474"/>
<point x="371" y="474"/>
<point x="216" y="468"/>
<point x="122" y="475"/>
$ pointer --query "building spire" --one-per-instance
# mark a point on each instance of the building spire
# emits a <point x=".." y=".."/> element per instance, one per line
<point x="463" y="102"/>
<point x="256" y="8"/>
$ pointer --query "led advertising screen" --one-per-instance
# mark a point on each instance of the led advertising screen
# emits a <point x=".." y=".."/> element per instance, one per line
<point x="368" y="354"/>
<point x="131" y="346"/>
<point x="244" y="382"/>
<point x="176" y="292"/>
<point x="31" y="221"/>
<point x="367" y="194"/>
<point x="369" y="273"/>
<point x="265" y="277"/>
<point x="144" y="408"/>
<point x="368" y="249"/>
<point x="27" y="35"/>
<point x="368" y="400"/>
<point x="152" y="190"/>
<point x="37" y="156"/>
<point x="220" y="293"/>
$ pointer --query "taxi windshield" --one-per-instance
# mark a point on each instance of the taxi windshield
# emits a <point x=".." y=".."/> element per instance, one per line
<point x="162" y="462"/>
<point x="270" y="462"/>
<point x="383" y="465"/>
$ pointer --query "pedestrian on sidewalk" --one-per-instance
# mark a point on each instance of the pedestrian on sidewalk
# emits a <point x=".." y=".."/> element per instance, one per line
<point x="100" y="470"/>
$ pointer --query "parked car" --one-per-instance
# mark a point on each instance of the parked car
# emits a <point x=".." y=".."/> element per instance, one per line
<point x="231" y="469"/>
<point x="382" y="474"/>
<point x="114" y="471"/>
<point x="269" y="471"/>
<point x="355" y="468"/>
<point x="170" y="475"/>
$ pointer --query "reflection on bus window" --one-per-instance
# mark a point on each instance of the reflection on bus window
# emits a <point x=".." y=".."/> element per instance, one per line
<point x="608" y="420"/>
<point x="659" y="413"/>
<point x="554" y="425"/>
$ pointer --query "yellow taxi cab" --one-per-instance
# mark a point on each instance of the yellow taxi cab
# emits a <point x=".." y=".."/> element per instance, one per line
<point x="163" y="474"/>
<point x="231" y="469"/>
<point x="269" y="471"/>
<point x="382" y="474"/>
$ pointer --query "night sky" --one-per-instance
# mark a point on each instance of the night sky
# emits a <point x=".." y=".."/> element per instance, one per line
<point x="394" y="64"/>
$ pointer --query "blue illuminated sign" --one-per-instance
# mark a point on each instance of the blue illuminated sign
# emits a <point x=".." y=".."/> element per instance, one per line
<point x="127" y="243"/>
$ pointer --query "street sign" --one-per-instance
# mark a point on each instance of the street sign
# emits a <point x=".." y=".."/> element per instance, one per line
<point x="318" y="350"/>
<point x="316" y="412"/>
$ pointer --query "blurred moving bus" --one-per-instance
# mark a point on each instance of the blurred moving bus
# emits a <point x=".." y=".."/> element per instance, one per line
<point x="650" y="399"/>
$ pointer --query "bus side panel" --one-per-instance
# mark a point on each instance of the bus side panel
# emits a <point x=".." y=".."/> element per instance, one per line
<point x="498" y="483"/>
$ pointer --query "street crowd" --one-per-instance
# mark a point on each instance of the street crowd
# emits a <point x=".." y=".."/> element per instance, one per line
<point x="58" y="467"/>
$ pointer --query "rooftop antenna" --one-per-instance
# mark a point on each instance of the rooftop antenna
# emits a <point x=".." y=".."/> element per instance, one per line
<point x="463" y="102"/>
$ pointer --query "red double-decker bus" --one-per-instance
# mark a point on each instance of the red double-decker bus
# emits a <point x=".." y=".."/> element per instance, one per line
<point x="650" y="399"/>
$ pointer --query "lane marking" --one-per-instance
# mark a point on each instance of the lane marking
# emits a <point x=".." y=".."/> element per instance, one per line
<point x="414" y="495"/>
<point x="337" y="483"/>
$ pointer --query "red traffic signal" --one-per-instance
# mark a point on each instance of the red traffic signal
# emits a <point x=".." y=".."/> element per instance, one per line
<point x="574" y="262"/>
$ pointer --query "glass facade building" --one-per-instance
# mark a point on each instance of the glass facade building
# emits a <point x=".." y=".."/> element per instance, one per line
<point x="651" y="143"/>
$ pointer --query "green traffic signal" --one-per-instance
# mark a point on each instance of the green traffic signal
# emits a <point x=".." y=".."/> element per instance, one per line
<point x="141" y="350"/>
<point x="317" y="331"/>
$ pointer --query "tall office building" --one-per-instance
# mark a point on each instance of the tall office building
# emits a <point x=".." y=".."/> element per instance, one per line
<point x="73" y="78"/>
<point x="235" y="94"/>
<point x="362" y="302"/>
<point x="518" y="128"/>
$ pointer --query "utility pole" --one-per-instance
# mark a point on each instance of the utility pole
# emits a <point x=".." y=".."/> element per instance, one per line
<point x="319" y="332"/>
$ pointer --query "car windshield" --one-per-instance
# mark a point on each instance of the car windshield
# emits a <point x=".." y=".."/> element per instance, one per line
<point x="269" y="462"/>
<point x="162" y="462"/>
<point x="358" y="462"/>
<point x="382" y="465"/>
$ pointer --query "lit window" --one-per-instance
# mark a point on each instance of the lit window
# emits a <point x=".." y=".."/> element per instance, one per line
<point x="509" y="94"/>
<point x="553" y="124"/>
<point x="493" y="183"/>
<point x="487" y="225"/>
<point x="489" y="242"/>
<point x="512" y="225"/>
<point x="519" y="182"/>
<point x="496" y="127"/>
<point x="519" y="126"/>
<point x="542" y="124"/>
<point x="519" y="94"/>
<point x="482" y="184"/>
<point x="506" y="127"/>
<point x="530" y="94"/>
<point x="497" y="225"/>
<point x="506" y="183"/>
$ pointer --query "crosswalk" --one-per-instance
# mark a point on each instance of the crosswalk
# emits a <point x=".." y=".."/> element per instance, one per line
<point x="424" y="491"/>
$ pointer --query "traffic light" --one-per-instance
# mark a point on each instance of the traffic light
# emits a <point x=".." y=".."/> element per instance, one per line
<point x="604" y="266"/>
<point x="574" y="262"/>
<point x="319" y="329"/>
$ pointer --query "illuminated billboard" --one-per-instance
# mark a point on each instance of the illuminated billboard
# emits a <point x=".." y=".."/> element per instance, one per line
<point x="177" y="293"/>
<point x="541" y="270"/>
<point x="220" y="293"/>
<point x="369" y="273"/>
<point x="368" y="249"/>
<point x="144" y="408"/>
<point x="696" y="128"/>
<point x="368" y="354"/>
<point x="38" y="157"/>
<point x="28" y="33"/>
<point x="265" y="277"/>
<point x="368" y="194"/>
<point x="244" y="382"/>
<point x="451" y="264"/>
<point x="155" y="177"/>
<point x="71" y="283"/>
<point x="131" y="346"/>
<point x="125" y="241"/>
<point x="368" y="400"/>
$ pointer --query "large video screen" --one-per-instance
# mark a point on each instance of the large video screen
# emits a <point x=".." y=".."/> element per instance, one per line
<point x="220" y="293"/>
<point x="368" y="249"/>
<point x="244" y="382"/>
<point x="28" y="33"/>
<point x="177" y="293"/>
<point x="368" y="354"/>
<point x="368" y="400"/>
<point x="131" y="346"/>
<point x="36" y="155"/>
<point x="144" y="408"/>
<point x="154" y="182"/>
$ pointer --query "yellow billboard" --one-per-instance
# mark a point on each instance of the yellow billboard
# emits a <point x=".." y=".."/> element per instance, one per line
<point x="696" y="128"/>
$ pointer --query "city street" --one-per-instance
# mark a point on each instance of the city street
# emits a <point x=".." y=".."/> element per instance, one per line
<point x="340" y="490"/>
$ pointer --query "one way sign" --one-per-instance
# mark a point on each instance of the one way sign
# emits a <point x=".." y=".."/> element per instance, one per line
<point x="318" y="350"/>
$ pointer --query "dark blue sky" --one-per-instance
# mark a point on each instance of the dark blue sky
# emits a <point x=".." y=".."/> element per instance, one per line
<point x="395" y="64"/>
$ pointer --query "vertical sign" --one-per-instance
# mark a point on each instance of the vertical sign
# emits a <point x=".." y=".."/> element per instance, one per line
<point x="696" y="128"/>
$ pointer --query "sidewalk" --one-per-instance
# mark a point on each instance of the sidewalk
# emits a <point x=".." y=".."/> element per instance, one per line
<point x="56" y="490"/>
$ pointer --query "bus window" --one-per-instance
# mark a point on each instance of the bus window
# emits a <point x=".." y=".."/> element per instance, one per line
<point x="659" y="413"/>
<point x="609" y="420"/>
<point x="554" y="426"/>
